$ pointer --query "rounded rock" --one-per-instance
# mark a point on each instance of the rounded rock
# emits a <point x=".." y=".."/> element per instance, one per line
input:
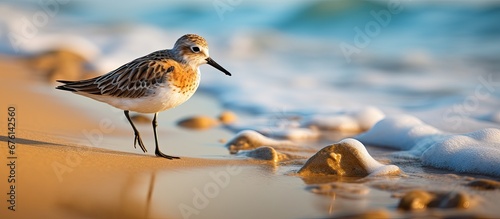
<point x="198" y="122"/>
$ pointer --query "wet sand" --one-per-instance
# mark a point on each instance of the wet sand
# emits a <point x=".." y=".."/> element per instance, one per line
<point x="75" y="159"/>
<point x="62" y="147"/>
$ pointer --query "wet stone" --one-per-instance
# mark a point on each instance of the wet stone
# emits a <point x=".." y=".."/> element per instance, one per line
<point x="227" y="117"/>
<point x="420" y="199"/>
<point x="484" y="184"/>
<point x="265" y="153"/>
<point x="346" y="158"/>
<point x="249" y="139"/>
<point x="198" y="122"/>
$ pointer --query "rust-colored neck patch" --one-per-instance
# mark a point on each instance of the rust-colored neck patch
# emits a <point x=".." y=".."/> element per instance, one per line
<point x="183" y="81"/>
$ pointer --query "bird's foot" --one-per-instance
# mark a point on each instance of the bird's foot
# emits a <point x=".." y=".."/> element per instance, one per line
<point x="160" y="154"/>
<point x="138" y="139"/>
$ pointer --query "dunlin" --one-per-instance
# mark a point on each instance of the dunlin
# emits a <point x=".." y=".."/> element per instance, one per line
<point x="150" y="84"/>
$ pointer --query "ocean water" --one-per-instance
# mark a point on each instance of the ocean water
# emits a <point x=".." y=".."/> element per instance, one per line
<point x="437" y="61"/>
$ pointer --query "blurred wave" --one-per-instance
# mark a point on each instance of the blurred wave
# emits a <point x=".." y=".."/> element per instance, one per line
<point x="429" y="54"/>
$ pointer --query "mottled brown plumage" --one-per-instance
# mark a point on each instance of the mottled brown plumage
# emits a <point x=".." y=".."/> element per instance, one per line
<point x="138" y="78"/>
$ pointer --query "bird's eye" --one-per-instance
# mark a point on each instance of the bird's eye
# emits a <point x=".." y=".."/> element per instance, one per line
<point x="195" y="49"/>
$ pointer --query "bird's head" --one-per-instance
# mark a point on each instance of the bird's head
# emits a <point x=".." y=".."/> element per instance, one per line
<point x="193" y="50"/>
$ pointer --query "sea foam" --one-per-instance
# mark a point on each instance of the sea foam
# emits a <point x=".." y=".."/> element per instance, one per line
<point x="474" y="152"/>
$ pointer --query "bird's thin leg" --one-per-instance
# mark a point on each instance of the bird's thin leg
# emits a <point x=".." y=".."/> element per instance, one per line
<point x="137" y="138"/>
<point x="157" y="150"/>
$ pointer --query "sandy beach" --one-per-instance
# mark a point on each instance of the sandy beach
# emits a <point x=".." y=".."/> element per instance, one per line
<point x="333" y="109"/>
<point x="53" y="151"/>
<point x="74" y="159"/>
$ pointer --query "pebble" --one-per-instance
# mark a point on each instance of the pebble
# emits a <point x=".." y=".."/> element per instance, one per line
<point x="198" y="122"/>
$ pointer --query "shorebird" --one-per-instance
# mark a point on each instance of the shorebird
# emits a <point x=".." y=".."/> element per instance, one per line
<point x="150" y="84"/>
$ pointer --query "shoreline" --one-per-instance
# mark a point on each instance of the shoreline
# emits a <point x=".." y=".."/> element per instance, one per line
<point x="75" y="159"/>
<point x="58" y="143"/>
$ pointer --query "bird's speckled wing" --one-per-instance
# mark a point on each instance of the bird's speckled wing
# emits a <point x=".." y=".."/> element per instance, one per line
<point x="135" y="79"/>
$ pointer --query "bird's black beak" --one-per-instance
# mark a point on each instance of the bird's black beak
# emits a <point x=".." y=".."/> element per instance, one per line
<point x="214" y="64"/>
